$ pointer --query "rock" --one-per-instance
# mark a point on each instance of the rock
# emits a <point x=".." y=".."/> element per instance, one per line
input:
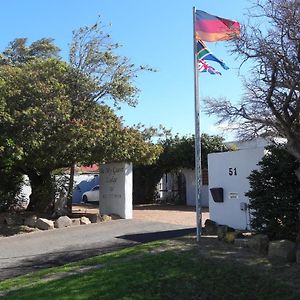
<point x="106" y="218"/>
<point x="115" y="217"/>
<point x="210" y="227"/>
<point x="44" y="224"/>
<point x="84" y="221"/>
<point x="283" y="250"/>
<point x="259" y="243"/>
<point x="14" y="219"/>
<point x="75" y="222"/>
<point x="229" y="237"/>
<point x="30" y="221"/>
<point x="62" y="222"/>
<point x="95" y="218"/>
<point x="222" y="230"/>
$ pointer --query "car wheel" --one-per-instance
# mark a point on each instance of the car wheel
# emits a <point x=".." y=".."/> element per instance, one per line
<point x="85" y="199"/>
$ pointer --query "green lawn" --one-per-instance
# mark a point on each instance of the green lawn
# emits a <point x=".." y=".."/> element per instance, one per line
<point x="153" y="271"/>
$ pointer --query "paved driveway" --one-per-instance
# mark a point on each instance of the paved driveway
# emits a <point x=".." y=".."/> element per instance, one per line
<point x="21" y="254"/>
<point x="24" y="253"/>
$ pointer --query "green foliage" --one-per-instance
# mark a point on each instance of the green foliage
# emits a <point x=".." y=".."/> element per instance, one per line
<point x="18" y="52"/>
<point x="93" y="53"/>
<point x="178" y="153"/>
<point x="275" y="195"/>
<point x="10" y="188"/>
<point x="52" y="113"/>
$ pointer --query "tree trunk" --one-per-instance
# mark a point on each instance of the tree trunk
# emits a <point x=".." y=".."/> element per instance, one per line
<point x="70" y="189"/>
<point x="42" y="194"/>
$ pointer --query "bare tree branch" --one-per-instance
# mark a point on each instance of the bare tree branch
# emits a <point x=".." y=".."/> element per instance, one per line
<point x="271" y="103"/>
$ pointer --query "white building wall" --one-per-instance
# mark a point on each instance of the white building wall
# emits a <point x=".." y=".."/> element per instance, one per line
<point x="189" y="175"/>
<point x="229" y="170"/>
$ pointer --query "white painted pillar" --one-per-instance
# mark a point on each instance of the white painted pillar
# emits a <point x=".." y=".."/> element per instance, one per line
<point x="116" y="189"/>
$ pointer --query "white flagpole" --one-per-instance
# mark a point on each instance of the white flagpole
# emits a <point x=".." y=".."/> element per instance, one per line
<point x="198" y="173"/>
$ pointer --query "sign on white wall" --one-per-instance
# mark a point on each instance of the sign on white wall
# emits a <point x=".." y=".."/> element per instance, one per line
<point x="116" y="189"/>
<point x="229" y="171"/>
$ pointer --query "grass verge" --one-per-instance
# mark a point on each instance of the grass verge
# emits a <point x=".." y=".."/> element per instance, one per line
<point x="152" y="271"/>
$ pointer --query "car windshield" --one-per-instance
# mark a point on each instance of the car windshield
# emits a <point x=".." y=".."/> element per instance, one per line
<point x="95" y="188"/>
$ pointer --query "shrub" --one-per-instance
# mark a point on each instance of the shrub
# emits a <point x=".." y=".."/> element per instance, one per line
<point x="10" y="188"/>
<point x="275" y="195"/>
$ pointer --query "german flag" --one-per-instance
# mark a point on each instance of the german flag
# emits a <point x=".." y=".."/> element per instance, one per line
<point x="211" y="28"/>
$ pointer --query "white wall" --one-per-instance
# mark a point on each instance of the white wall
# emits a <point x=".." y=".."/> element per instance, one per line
<point x="230" y="170"/>
<point x="191" y="189"/>
<point x="256" y="143"/>
<point x="116" y="189"/>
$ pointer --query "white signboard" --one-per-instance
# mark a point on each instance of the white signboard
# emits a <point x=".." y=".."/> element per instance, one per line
<point x="116" y="189"/>
<point x="233" y="195"/>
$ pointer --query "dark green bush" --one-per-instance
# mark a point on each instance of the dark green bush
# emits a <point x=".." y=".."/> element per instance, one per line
<point x="10" y="188"/>
<point x="275" y="195"/>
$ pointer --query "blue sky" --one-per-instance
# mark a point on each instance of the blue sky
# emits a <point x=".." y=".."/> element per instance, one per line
<point x="153" y="32"/>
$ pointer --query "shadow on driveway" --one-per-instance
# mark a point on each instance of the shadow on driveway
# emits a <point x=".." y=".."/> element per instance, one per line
<point x="154" y="236"/>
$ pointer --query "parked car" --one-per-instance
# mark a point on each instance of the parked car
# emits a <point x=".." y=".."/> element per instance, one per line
<point x="91" y="196"/>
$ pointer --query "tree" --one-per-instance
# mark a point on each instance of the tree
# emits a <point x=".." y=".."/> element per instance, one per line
<point x="93" y="54"/>
<point x="270" y="44"/>
<point x="275" y="195"/>
<point x="178" y="153"/>
<point x="52" y="112"/>
<point x="18" y="52"/>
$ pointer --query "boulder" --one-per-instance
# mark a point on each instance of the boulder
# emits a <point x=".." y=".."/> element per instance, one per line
<point x="115" y="217"/>
<point x="94" y="218"/>
<point x="62" y="222"/>
<point x="229" y="237"/>
<point x="84" y="221"/>
<point x="259" y="243"/>
<point x="76" y="222"/>
<point x="222" y="231"/>
<point x="14" y="219"/>
<point x="30" y="221"/>
<point x="210" y="227"/>
<point x="283" y="249"/>
<point x="44" y="224"/>
<point x="106" y="218"/>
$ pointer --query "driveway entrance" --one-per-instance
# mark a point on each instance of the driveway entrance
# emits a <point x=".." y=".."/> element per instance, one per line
<point x="172" y="214"/>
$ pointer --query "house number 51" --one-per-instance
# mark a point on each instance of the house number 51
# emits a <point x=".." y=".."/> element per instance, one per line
<point x="232" y="171"/>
